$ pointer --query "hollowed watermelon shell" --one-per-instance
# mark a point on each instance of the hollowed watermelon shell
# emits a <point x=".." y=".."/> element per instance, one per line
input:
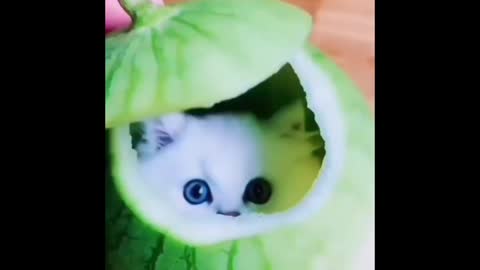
<point x="332" y="238"/>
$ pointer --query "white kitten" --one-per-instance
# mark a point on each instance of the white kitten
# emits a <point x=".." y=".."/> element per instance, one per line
<point x="221" y="164"/>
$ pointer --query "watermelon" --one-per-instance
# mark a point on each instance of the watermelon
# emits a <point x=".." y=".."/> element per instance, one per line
<point x="195" y="55"/>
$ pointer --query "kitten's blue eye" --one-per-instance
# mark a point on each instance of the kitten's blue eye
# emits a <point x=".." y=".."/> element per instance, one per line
<point x="197" y="191"/>
<point x="258" y="191"/>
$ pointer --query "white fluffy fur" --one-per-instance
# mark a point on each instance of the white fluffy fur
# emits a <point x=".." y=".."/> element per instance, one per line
<point x="227" y="151"/>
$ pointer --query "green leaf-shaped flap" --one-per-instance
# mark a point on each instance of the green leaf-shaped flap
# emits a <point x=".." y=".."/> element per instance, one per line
<point x="197" y="54"/>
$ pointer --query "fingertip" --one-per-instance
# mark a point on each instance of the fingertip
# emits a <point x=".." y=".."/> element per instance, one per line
<point x="116" y="18"/>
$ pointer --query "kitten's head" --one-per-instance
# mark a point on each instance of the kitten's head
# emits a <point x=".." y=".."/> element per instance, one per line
<point x="217" y="164"/>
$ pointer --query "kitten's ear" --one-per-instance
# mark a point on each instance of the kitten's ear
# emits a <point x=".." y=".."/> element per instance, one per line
<point x="157" y="133"/>
<point x="171" y="124"/>
<point x="289" y="120"/>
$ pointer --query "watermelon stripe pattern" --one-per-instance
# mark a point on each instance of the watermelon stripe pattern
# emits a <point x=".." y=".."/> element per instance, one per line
<point x="196" y="54"/>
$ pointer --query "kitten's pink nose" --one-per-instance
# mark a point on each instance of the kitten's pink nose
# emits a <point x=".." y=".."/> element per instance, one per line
<point x="230" y="213"/>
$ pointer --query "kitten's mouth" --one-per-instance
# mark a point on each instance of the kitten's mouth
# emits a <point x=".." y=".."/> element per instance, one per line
<point x="231" y="213"/>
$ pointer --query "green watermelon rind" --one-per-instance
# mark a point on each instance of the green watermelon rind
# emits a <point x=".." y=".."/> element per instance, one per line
<point x="331" y="240"/>
<point x="196" y="54"/>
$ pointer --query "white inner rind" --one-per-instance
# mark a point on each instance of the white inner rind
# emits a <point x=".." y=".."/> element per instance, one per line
<point x="321" y="99"/>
